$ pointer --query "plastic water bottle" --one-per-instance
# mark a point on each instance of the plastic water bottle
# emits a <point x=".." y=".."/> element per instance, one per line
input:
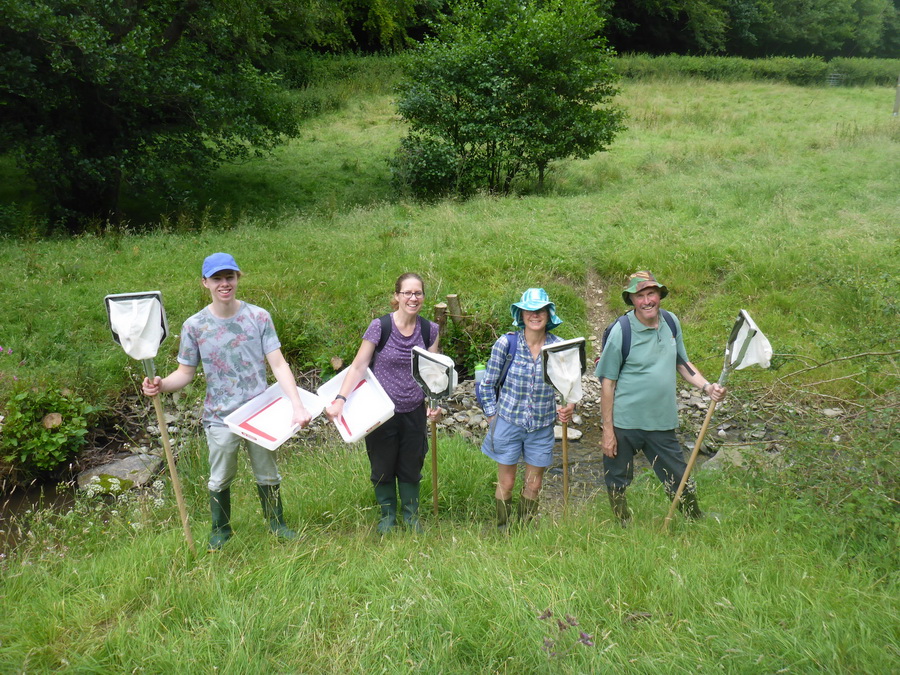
<point x="479" y="376"/>
<point x="479" y="373"/>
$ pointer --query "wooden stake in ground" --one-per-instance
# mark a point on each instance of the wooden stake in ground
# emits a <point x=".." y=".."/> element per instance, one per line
<point x="455" y="307"/>
<point x="440" y="316"/>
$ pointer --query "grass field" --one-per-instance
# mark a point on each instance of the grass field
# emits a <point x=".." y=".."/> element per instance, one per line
<point x="776" y="199"/>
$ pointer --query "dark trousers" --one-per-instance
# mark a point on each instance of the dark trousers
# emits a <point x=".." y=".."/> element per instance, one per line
<point x="662" y="450"/>
<point x="397" y="448"/>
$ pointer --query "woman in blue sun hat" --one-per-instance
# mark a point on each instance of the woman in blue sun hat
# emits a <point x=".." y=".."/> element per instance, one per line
<point x="522" y="417"/>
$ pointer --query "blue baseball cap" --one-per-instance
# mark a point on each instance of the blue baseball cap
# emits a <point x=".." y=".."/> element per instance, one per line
<point x="218" y="262"/>
<point x="532" y="300"/>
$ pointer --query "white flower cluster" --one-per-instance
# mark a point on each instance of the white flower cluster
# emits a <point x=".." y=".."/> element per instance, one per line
<point x="94" y="488"/>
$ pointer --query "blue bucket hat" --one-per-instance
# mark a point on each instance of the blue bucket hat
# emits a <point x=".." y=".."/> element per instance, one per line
<point x="532" y="300"/>
<point x="218" y="262"/>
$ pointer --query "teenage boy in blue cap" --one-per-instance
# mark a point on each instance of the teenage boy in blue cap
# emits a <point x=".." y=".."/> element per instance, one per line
<point x="234" y="340"/>
<point x="638" y="406"/>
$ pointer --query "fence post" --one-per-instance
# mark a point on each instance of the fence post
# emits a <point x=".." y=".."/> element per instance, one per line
<point x="455" y="308"/>
<point x="897" y="99"/>
<point x="440" y="316"/>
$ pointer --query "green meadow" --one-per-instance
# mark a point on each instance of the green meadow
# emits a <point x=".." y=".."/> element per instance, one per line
<point x="777" y="199"/>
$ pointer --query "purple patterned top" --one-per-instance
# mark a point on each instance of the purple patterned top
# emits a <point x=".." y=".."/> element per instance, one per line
<point x="393" y="365"/>
<point x="233" y="352"/>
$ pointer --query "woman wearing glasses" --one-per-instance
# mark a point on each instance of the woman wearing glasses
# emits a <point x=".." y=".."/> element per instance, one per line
<point x="397" y="448"/>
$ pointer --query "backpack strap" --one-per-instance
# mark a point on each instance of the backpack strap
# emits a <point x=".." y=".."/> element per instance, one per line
<point x="425" y="327"/>
<point x="625" y="325"/>
<point x="387" y="325"/>
<point x="512" y="344"/>
<point x="674" y="328"/>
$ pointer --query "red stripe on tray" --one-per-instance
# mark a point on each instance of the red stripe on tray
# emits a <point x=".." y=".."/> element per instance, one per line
<point x="252" y="429"/>
<point x="343" y="421"/>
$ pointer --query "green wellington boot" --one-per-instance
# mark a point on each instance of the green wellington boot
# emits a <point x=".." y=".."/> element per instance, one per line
<point x="504" y="511"/>
<point x="220" y="506"/>
<point x="386" y="496"/>
<point x="527" y="510"/>
<point x="409" y="505"/>
<point x="273" y="511"/>
<point x="619" y="504"/>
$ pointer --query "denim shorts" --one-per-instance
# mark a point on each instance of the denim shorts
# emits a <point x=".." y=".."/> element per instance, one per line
<point x="507" y="443"/>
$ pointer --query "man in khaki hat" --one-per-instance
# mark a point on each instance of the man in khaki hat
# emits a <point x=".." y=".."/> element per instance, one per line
<point x="638" y="404"/>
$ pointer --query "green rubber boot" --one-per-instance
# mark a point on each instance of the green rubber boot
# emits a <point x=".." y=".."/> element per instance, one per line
<point x="504" y="511"/>
<point x="386" y="496"/>
<point x="220" y="506"/>
<point x="527" y="509"/>
<point x="409" y="505"/>
<point x="273" y="511"/>
<point x="619" y="504"/>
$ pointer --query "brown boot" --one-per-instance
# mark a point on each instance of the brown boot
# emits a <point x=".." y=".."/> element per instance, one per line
<point x="619" y="504"/>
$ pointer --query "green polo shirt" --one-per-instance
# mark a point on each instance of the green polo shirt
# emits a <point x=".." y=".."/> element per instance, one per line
<point x="645" y="387"/>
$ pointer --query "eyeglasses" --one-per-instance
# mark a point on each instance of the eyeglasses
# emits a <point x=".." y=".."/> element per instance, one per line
<point x="411" y="294"/>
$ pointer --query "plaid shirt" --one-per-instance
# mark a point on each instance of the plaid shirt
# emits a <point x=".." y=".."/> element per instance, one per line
<point x="525" y="399"/>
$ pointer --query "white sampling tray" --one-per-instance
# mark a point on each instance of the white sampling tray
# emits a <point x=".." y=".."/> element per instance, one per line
<point x="367" y="406"/>
<point x="266" y="419"/>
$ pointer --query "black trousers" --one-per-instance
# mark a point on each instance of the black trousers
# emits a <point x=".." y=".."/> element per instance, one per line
<point x="397" y="448"/>
<point x="662" y="450"/>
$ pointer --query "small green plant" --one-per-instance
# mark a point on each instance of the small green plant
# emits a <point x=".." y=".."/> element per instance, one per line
<point x="43" y="428"/>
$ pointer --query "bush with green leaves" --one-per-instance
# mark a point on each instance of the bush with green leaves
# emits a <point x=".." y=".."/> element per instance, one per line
<point x="43" y="428"/>
<point x="428" y="168"/>
<point x="512" y="86"/>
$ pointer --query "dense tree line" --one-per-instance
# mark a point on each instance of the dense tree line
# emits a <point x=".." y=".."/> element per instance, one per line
<point x="154" y="94"/>
<point x="750" y="28"/>
<point x="756" y="28"/>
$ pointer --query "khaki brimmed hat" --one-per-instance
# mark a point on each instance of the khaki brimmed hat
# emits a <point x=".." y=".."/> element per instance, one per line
<point x="532" y="300"/>
<point x="638" y="282"/>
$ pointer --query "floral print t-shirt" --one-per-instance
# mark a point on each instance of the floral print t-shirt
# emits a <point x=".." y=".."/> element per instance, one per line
<point x="233" y="352"/>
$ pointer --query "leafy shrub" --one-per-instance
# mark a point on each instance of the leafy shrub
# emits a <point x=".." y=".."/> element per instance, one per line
<point x="425" y="168"/>
<point x="43" y="429"/>
<point x="861" y="72"/>
<point x="512" y="87"/>
<point x="805" y="71"/>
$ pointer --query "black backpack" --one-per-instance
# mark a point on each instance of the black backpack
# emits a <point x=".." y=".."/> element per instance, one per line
<point x="387" y="325"/>
<point x="624" y="322"/>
